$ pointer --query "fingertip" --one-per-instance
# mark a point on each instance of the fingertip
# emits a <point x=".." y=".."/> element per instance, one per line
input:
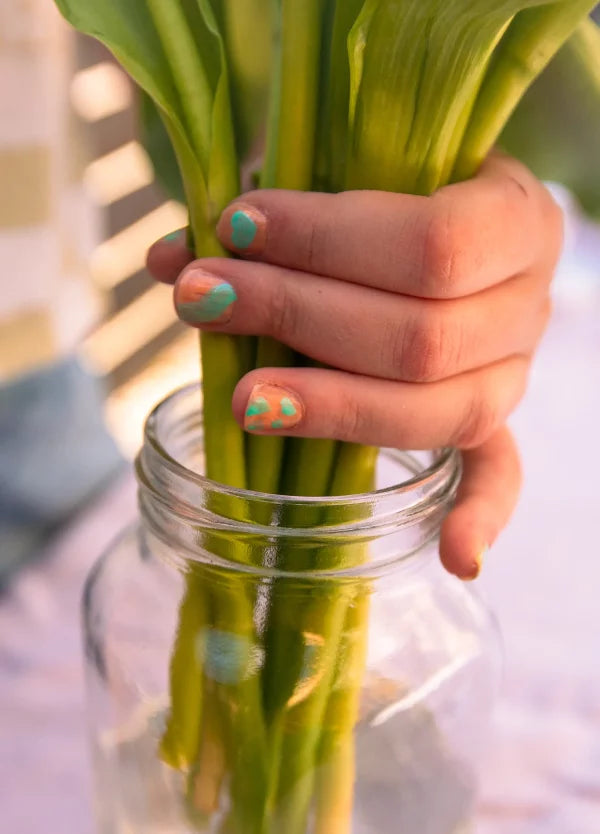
<point x="464" y="543"/>
<point x="241" y="395"/>
<point x="242" y="228"/>
<point x="263" y="402"/>
<point x="168" y="256"/>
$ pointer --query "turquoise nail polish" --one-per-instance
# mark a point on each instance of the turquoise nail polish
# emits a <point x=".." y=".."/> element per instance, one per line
<point x="172" y="237"/>
<point x="277" y="424"/>
<point x="243" y="230"/>
<point x="288" y="408"/>
<point x="258" y="406"/>
<point x="210" y="307"/>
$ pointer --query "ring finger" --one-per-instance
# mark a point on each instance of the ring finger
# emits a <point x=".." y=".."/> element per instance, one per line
<point x="315" y="402"/>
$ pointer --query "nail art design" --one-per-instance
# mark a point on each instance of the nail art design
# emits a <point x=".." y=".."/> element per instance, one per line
<point x="243" y="230"/>
<point x="172" y="237"/>
<point x="271" y="408"/>
<point x="243" y="227"/>
<point x="204" y="299"/>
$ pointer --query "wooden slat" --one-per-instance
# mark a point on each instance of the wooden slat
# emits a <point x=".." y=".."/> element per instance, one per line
<point x="119" y="173"/>
<point x="100" y="91"/>
<point x="139" y="316"/>
<point x="129" y="330"/>
<point x="125" y="253"/>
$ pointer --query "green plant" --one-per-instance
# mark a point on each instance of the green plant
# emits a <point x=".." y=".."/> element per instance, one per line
<point x="401" y="95"/>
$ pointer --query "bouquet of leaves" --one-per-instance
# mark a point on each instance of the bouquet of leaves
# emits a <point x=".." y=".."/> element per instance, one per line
<point x="330" y="95"/>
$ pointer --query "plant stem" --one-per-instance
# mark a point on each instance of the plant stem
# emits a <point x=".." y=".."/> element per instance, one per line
<point x="336" y="756"/>
<point x="288" y="163"/>
<point x="292" y="124"/>
<point x="180" y="741"/>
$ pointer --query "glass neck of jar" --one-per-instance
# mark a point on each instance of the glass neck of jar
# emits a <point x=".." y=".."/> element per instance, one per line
<point x="204" y="521"/>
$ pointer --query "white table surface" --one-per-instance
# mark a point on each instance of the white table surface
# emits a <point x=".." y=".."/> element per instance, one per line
<point x="543" y="580"/>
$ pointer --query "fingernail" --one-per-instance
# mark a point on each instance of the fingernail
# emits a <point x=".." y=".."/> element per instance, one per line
<point x="243" y="228"/>
<point x="173" y="236"/>
<point x="272" y="408"/>
<point x="477" y="566"/>
<point x="201" y="298"/>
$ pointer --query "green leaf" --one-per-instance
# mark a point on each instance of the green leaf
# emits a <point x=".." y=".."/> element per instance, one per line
<point x="533" y="38"/>
<point x="417" y="69"/>
<point x="175" y="53"/>
<point x="332" y="141"/>
<point x="155" y="139"/>
<point x="556" y="128"/>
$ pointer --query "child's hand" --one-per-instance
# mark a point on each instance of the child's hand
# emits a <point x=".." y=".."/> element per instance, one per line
<point x="429" y="309"/>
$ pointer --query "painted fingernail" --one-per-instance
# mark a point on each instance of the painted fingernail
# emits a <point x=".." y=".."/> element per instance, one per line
<point x="477" y="566"/>
<point x="173" y="237"/>
<point x="201" y="298"/>
<point x="272" y="408"/>
<point x="243" y="228"/>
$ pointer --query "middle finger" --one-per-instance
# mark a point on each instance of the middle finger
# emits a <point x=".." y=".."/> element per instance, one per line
<point x="360" y="329"/>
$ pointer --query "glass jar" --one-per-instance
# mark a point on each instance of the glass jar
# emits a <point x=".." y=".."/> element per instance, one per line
<point x="270" y="665"/>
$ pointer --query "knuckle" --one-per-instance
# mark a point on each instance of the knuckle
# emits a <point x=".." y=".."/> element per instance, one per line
<point x="441" y="250"/>
<point x="315" y="250"/>
<point x="546" y="313"/>
<point x="350" y="420"/>
<point x="283" y="318"/>
<point x="480" y="420"/>
<point x="427" y="348"/>
<point x="555" y="225"/>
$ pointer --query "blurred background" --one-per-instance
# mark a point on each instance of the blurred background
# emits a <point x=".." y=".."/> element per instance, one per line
<point x="88" y="344"/>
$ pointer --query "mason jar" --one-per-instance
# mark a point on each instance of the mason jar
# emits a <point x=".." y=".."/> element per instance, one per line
<point x="260" y="664"/>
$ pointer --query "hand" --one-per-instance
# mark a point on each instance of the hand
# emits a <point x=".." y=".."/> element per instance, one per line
<point x="428" y="311"/>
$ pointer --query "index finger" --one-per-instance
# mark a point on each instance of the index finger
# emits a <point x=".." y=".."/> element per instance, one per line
<point x="463" y="239"/>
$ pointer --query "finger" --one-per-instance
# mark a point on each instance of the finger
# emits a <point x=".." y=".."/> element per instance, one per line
<point x="169" y="256"/>
<point x="314" y="402"/>
<point x="461" y="240"/>
<point x="360" y="329"/>
<point x="486" y="499"/>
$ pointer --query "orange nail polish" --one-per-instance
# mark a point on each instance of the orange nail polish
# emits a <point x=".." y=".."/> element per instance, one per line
<point x="201" y="298"/>
<point x="272" y="408"/>
<point x="477" y="566"/>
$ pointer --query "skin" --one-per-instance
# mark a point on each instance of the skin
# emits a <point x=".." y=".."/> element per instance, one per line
<point x="428" y="310"/>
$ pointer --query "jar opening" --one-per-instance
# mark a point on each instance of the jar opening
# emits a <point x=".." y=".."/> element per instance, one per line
<point x="415" y="489"/>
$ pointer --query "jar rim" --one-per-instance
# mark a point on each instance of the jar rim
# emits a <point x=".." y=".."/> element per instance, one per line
<point x="180" y="505"/>
<point x="445" y="463"/>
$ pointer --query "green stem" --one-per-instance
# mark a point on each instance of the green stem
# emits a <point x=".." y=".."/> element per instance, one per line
<point x="265" y="454"/>
<point x="313" y="621"/>
<point x="318" y="619"/>
<point x="181" y="739"/>
<point x="290" y="150"/>
<point x="335" y="763"/>
<point x="288" y="163"/>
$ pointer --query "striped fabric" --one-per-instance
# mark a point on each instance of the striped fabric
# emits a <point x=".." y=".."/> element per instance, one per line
<point x="48" y="228"/>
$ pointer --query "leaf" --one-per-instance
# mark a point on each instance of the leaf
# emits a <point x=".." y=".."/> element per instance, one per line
<point x="533" y="38"/>
<point x="556" y="128"/>
<point x="417" y="67"/>
<point x="155" y="140"/>
<point x="332" y="137"/>
<point x="174" y="52"/>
